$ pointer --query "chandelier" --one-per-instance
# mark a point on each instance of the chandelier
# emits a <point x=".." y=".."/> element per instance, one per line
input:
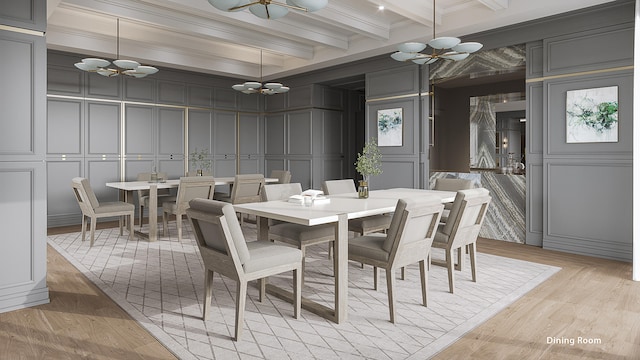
<point x="442" y="48"/>
<point x="255" y="87"/>
<point x="269" y="9"/>
<point x="126" y="67"/>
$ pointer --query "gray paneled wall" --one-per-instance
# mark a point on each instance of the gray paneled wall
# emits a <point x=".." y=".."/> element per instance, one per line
<point x="23" y="130"/>
<point x="402" y="166"/>
<point x="115" y="128"/>
<point x="579" y="194"/>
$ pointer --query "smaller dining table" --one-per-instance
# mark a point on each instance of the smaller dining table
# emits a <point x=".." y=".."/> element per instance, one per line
<point x="337" y="211"/>
<point x="128" y="187"/>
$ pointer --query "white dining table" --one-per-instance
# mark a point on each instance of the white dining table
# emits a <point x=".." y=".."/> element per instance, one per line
<point x="128" y="187"/>
<point x="338" y="211"/>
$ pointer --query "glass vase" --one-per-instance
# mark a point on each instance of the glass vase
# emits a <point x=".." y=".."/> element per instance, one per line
<point x="363" y="189"/>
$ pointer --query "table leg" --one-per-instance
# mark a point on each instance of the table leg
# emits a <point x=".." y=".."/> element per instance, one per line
<point x="341" y="264"/>
<point x="263" y="228"/>
<point x="153" y="212"/>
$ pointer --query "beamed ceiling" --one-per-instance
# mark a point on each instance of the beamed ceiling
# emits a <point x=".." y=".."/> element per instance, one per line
<point x="193" y="35"/>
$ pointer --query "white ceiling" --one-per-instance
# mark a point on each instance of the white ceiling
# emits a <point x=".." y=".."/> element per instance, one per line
<point x="193" y="35"/>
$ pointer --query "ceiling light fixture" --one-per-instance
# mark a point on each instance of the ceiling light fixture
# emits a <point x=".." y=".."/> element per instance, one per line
<point x="126" y="67"/>
<point x="269" y="9"/>
<point x="255" y="87"/>
<point x="443" y="48"/>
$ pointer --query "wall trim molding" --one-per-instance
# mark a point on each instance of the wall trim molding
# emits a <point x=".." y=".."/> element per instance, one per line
<point x="21" y="30"/>
<point x="581" y="73"/>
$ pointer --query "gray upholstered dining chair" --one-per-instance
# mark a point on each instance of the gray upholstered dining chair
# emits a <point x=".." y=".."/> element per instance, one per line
<point x="224" y="250"/>
<point x="246" y="188"/>
<point x="446" y="184"/>
<point x="143" y="195"/>
<point x="298" y="235"/>
<point x="462" y="229"/>
<point x="362" y="226"/>
<point x="189" y="188"/>
<point x="283" y="176"/>
<point x="408" y="241"/>
<point x="93" y="209"/>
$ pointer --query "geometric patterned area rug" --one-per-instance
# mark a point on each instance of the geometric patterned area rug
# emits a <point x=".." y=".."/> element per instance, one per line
<point x="161" y="285"/>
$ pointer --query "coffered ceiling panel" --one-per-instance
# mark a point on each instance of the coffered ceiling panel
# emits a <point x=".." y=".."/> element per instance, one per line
<point x="193" y="35"/>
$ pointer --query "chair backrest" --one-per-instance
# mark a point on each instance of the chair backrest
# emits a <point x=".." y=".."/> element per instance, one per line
<point x="466" y="216"/>
<point x="283" y="176"/>
<point x="219" y="236"/>
<point x="84" y="194"/>
<point x="247" y="188"/>
<point x="452" y="184"/>
<point x="332" y="187"/>
<point x="272" y="192"/>
<point x="191" y="188"/>
<point x="195" y="173"/>
<point x="147" y="177"/>
<point x="413" y="227"/>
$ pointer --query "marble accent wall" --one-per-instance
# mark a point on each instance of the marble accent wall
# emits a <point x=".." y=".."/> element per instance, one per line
<point x="505" y="218"/>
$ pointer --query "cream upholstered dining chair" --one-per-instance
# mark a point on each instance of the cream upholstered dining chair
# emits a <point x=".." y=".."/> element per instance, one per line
<point x="462" y="229"/>
<point x="298" y="235"/>
<point x="283" y="176"/>
<point x="189" y="188"/>
<point x="143" y="195"/>
<point x="362" y="226"/>
<point x="93" y="209"/>
<point x="224" y="250"/>
<point x="447" y="184"/>
<point x="408" y="241"/>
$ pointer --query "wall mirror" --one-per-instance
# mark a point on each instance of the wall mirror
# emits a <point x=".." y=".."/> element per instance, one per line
<point x="497" y="126"/>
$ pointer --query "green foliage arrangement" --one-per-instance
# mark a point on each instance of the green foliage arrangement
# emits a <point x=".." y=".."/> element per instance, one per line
<point x="369" y="162"/>
<point x="199" y="160"/>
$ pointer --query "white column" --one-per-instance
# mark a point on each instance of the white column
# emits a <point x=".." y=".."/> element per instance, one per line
<point x="636" y="146"/>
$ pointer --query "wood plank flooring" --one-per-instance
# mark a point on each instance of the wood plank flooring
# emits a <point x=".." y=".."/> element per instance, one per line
<point x="590" y="299"/>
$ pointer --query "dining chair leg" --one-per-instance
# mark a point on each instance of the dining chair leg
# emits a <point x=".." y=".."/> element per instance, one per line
<point x="84" y="227"/>
<point x="459" y="264"/>
<point x="472" y="258"/>
<point x="303" y="249"/>
<point x="262" y="288"/>
<point x="241" y="299"/>
<point x="179" y="225"/>
<point x="164" y="224"/>
<point x="131" y="224"/>
<point x="208" y="287"/>
<point x="141" y="212"/>
<point x="93" y="231"/>
<point x="424" y="281"/>
<point x="402" y="273"/>
<point x="120" y="223"/>
<point x="391" y="279"/>
<point x="449" y="254"/>
<point x="375" y="278"/>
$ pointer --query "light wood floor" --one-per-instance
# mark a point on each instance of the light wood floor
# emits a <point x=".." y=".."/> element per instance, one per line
<point x="589" y="299"/>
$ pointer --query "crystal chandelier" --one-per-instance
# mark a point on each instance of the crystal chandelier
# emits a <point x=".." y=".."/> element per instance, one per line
<point x="442" y="48"/>
<point x="255" y="87"/>
<point x="269" y="9"/>
<point x="126" y="67"/>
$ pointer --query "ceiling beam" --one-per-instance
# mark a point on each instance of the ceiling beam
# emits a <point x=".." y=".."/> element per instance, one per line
<point x="495" y="5"/>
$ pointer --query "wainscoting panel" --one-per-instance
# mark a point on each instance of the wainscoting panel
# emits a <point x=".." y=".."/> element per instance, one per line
<point x="299" y="126"/>
<point x="61" y="203"/>
<point x="274" y="134"/>
<point x="170" y="132"/>
<point x="103" y="129"/>
<point x="139" y="130"/>
<point x="589" y="208"/>
<point x="301" y="172"/>
<point x="64" y="130"/>
<point x="173" y="93"/>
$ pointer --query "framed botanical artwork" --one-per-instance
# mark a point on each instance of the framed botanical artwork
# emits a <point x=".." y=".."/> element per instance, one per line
<point x="592" y="115"/>
<point x="390" y="124"/>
